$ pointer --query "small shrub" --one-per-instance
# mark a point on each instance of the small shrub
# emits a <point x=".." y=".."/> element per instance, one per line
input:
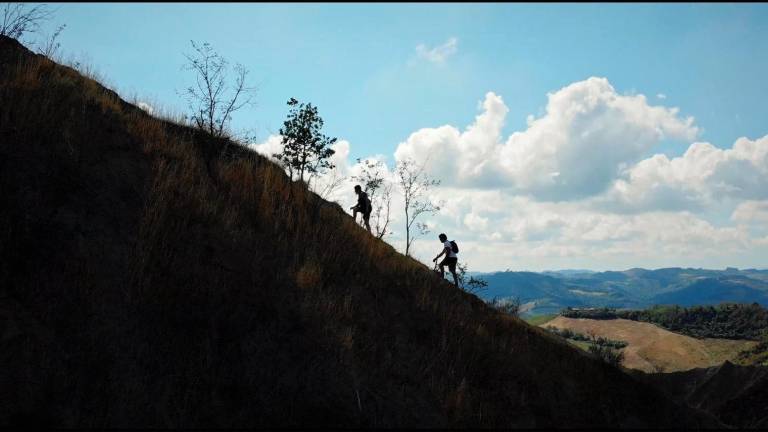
<point x="607" y="354"/>
<point x="509" y="306"/>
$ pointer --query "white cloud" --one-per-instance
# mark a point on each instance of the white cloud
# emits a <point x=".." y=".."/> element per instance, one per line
<point x="751" y="212"/>
<point x="578" y="187"/>
<point x="702" y="176"/>
<point x="439" y="53"/>
<point x="271" y="146"/>
<point x="587" y="135"/>
<point x="460" y="158"/>
<point x="528" y="234"/>
<point x="146" y="107"/>
<point x="475" y="222"/>
<point x="661" y="96"/>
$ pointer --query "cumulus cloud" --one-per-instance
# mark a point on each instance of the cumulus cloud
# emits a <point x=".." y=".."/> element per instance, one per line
<point x="146" y="107"/>
<point x="460" y="158"/>
<point x="580" y="187"/>
<point x="702" y="176"/>
<point x="519" y="232"/>
<point x="439" y="53"/>
<point x="588" y="135"/>
<point x="751" y="212"/>
<point x="270" y="147"/>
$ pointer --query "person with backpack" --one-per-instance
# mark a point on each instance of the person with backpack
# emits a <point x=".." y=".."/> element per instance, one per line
<point x="363" y="206"/>
<point x="451" y="250"/>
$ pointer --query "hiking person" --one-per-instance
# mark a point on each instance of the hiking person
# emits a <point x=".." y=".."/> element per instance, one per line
<point x="363" y="206"/>
<point x="451" y="258"/>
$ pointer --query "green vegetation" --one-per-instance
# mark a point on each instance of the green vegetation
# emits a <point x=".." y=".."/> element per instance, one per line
<point x="589" y="313"/>
<point x="607" y="354"/>
<point x="602" y="341"/>
<point x="605" y="349"/>
<point x="725" y="321"/>
<point x="306" y="150"/>
<point x="537" y="320"/>
<point x="758" y="355"/>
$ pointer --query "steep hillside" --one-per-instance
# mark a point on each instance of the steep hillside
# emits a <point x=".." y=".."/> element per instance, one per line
<point x="737" y="395"/>
<point x="151" y="276"/>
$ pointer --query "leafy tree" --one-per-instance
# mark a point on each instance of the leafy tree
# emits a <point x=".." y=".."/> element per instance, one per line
<point x="415" y="183"/>
<point x="728" y="320"/>
<point x="306" y="150"/>
<point x="210" y="101"/>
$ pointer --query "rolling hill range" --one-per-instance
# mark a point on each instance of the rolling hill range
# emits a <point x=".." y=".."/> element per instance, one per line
<point x="634" y="288"/>
<point x="153" y="276"/>
<point x="651" y="348"/>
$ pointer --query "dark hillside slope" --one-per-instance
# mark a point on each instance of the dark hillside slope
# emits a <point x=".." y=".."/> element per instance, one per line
<point x="147" y="279"/>
<point x="737" y="395"/>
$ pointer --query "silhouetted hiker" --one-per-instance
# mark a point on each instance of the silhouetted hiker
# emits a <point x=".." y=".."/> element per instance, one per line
<point x="363" y="206"/>
<point x="451" y="258"/>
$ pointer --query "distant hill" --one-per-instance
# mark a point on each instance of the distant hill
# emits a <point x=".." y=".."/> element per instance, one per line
<point x="652" y="348"/>
<point x="634" y="288"/>
<point x="151" y="279"/>
<point x="737" y="289"/>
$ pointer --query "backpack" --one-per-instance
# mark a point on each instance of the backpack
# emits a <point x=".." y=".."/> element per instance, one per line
<point x="454" y="247"/>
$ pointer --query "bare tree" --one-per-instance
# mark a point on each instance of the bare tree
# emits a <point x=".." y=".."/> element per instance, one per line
<point x="50" y="44"/>
<point x="211" y="100"/>
<point x="415" y="183"/>
<point x="21" y="18"/>
<point x="331" y="183"/>
<point x="470" y="284"/>
<point x="510" y="306"/>
<point x="382" y="211"/>
<point x="379" y="191"/>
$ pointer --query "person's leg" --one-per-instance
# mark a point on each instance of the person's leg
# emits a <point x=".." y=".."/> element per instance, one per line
<point x="452" y="269"/>
<point x="367" y="218"/>
<point x="442" y="268"/>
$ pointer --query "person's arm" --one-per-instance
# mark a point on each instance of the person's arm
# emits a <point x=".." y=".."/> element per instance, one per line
<point x="359" y="206"/>
<point x="445" y="251"/>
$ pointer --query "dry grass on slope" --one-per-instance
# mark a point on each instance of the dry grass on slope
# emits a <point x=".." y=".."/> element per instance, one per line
<point x="156" y="280"/>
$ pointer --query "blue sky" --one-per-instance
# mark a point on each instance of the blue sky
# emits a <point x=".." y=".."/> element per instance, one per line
<point x="352" y="61"/>
<point x="361" y="65"/>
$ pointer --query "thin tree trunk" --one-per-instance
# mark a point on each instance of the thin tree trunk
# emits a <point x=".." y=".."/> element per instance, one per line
<point x="407" y="233"/>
